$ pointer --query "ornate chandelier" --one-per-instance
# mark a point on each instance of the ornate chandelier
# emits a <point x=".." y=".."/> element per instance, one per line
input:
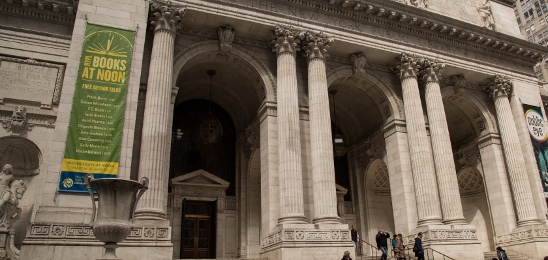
<point x="339" y="148"/>
<point x="210" y="129"/>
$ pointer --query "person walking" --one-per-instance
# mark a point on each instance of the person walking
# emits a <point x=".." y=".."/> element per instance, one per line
<point x="418" y="249"/>
<point x="501" y="254"/>
<point x="381" y="238"/>
<point x="355" y="239"/>
<point x="399" y="251"/>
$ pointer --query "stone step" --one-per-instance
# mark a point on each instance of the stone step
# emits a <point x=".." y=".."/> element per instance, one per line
<point x="510" y="254"/>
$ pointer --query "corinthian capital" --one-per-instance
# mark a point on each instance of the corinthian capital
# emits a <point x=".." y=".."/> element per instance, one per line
<point x="499" y="86"/>
<point x="407" y="65"/>
<point x="315" y="45"/>
<point x="431" y="70"/>
<point x="285" y="40"/>
<point x="164" y="16"/>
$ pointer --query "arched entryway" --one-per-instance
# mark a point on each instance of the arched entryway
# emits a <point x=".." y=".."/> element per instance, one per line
<point x="224" y="103"/>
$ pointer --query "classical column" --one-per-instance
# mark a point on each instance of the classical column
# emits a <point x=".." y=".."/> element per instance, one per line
<point x="499" y="89"/>
<point x="155" y="144"/>
<point x="323" y="167"/>
<point x="289" y="140"/>
<point x="422" y="163"/>
<point x="451" y="205"/>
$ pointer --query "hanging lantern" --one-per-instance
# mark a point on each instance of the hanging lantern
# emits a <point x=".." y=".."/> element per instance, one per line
<point x="339" y="147"/>
<point x="210" y="129"/>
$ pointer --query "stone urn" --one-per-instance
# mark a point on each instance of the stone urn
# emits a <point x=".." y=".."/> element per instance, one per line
<point x="117" y="199"/>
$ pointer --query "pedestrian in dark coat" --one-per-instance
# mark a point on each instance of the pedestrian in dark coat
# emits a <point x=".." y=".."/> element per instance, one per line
<point x="501" y="254"/>
<point x="381" y="238"/>
<point x="419" y="253"/>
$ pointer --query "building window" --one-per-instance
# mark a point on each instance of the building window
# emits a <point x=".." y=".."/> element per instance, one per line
<point x="519" y="20"/>
<point x="528" y="3"/>
<point x="540" y="76"/>
<point x="516" y="12"/>
<point x="537" y="4"/>
<point x="527" y="30"/>
<point x="533" y="28"/>
<point x="523" y="7"/>
<point x="526" y="14"/>
<point x="531" y="12"/>
<point x="542" y="21"/>
<point x="530" y="38"/>
<point x="542" y="2"/>
<point x="540" y="37"/>
<point x="539" y="13"/>
<point x="545" y="9"/>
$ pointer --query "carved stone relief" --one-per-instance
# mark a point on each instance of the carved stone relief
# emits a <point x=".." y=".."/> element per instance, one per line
<point x="226" y="37"/>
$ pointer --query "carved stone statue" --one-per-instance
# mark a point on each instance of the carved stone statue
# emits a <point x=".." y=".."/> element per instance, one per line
<point x="6" y="177"/>
<point x="9" y="200"/>
<point x="486" y="15"/>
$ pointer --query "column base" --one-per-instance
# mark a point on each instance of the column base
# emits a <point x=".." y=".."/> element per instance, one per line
<point x="151" y="214"/>
<point x="292" y="220"/>
<point x="432" y="221"/>
<point x="455" y="222"/>
<point x="307" y="242"/>
<point x="327" y="220"/>
<point x="528" y="222"/>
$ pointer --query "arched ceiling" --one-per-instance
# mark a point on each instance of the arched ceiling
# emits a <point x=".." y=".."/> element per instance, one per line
<point x="359" y="105"/>
<point x="235" y="86"/>
<point x="464" y="120"/>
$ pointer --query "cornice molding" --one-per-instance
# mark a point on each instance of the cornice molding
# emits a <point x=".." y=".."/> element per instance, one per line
<point x="405" y="18"/>
<point x="59" y="12"/>
<point x="421" y="23"/>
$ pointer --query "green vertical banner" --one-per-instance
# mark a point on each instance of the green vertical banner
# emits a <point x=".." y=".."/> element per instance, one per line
<point x="538" y="130"/>
<point x="97" y="116"/>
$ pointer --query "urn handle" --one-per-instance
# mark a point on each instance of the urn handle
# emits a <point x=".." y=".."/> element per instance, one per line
<point x="144" y="182"/>
<point x="87" y="180"/>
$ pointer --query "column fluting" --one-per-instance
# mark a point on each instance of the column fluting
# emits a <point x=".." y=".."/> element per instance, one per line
<point x="499" y="89"/>
<point x="155" y="144"/>
<point x="451" y="205"/>
<point x="289" y="139"/>
<point x="323" y="167"/>
<point x="424" y="176"/>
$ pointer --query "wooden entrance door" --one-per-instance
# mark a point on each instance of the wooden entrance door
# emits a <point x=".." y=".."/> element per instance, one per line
<point x="197" y="234"/>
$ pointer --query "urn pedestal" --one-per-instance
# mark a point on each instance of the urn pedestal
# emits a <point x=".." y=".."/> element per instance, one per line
<point x="112" y="218"/>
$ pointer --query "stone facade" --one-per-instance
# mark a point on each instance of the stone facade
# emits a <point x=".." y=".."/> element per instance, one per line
<point x="426" y="131"/>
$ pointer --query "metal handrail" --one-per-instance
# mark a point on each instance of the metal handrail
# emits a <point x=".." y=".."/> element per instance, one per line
<point x="404" y="253"/>
<point x="434" y="250"/>
<point x="370" y="245"/>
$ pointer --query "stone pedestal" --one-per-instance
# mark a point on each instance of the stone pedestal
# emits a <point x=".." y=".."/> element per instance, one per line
<point x="455" y="241"/>
<point x="307" y="242"/>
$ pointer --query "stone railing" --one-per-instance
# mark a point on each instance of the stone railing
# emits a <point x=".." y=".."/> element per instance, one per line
<point x="523" y="236"/>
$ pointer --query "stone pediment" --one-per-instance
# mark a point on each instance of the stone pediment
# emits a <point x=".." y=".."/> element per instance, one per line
<point x="200" y="178"/>
<point x="341" y="189"/>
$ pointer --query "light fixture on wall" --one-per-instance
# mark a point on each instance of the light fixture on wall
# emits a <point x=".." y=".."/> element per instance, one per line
<point x="210" y="129"/>
<point x="339" y="147"/>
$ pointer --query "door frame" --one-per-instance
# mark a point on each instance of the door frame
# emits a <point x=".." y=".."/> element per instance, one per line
<point x="212" y="218"/>
<point x="199" y="186"/>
